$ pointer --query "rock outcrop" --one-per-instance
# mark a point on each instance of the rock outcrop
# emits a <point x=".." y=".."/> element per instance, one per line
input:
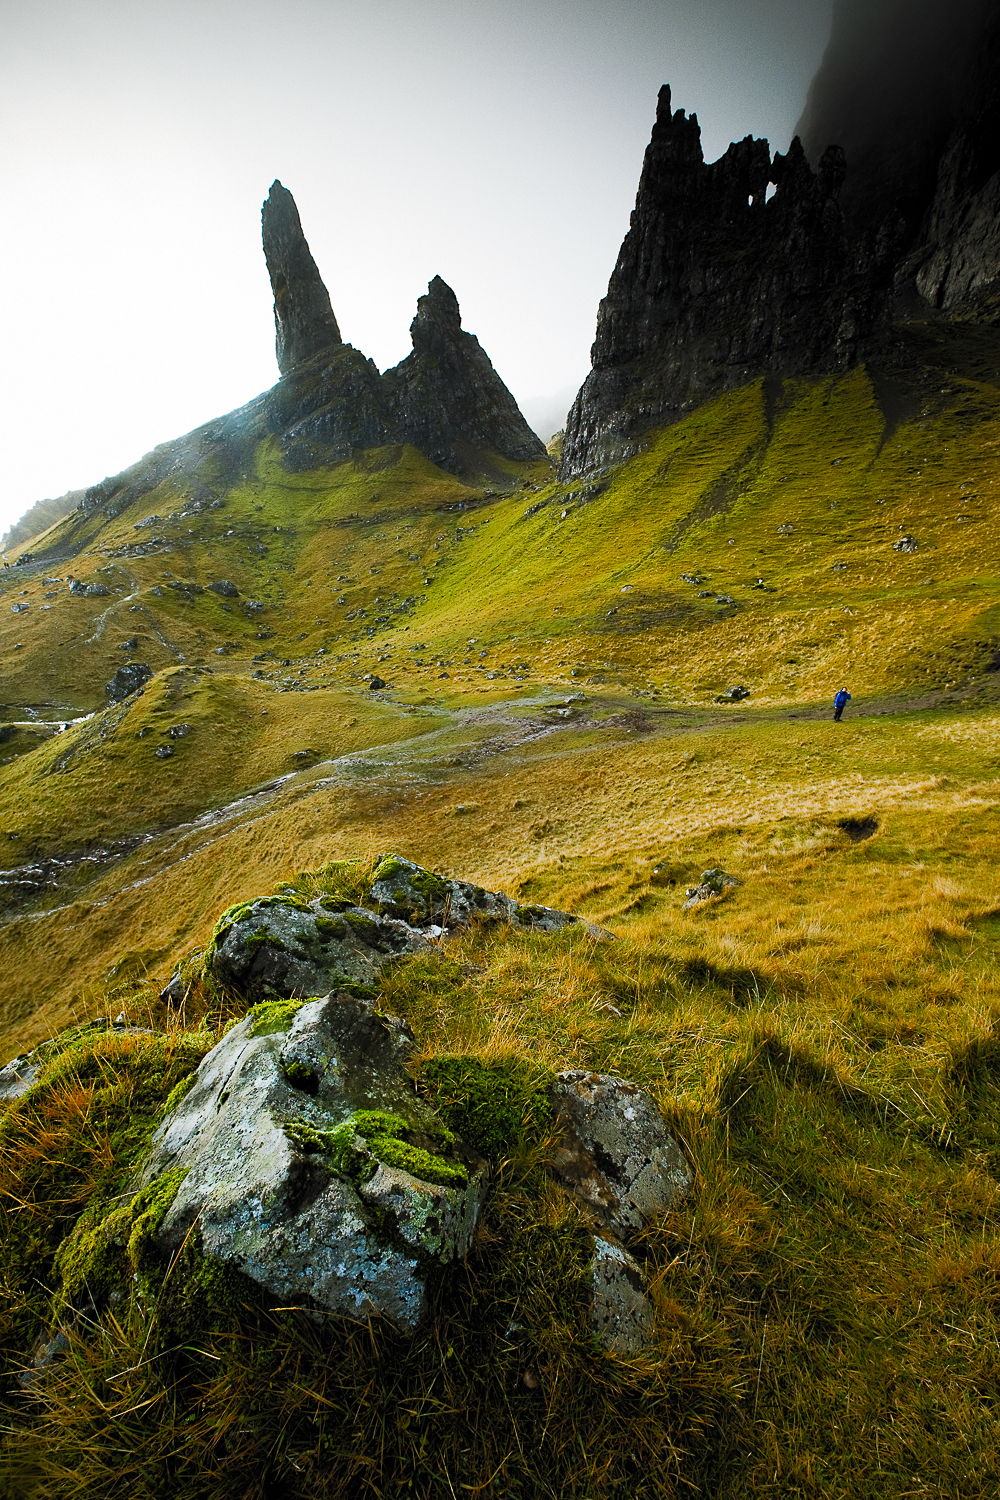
<point x="304" y="324"/>
<point x="446" y="398"/>
<point x="311" y="1166"/>
<point x="283" y="945"/>
<point x="127" y="680"/>
<point x="716" y="283"/>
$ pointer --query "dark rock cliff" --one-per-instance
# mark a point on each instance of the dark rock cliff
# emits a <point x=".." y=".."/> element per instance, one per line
<point x="304" y="324"/>
<point x="717" y="283"/>
<point x="446" y="398"/>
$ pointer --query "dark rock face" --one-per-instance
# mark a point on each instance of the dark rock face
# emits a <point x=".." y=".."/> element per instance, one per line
<point x="304" y="324"/>
<point x="956" y="260"/>
<point x="127" y="679"/>
<point x="715" y="284"/>
<point x="446" y="398"/>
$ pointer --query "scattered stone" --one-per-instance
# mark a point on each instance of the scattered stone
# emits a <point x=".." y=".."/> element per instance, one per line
<point x="164" y="752"/>
<point x="377" y="684"/>
<point x="18" y="1076"/>
<point x="733" y="695"/>
<point x="18" y="609"/>
<point x="225" y="588"/>
<point x="97" y="591"/>
<point x="76" y="587"/>
<point x="724" y="599"/>
<point x="130" y="644"/>
<point x="313" y="1167"/>
<point x="906" y="544"/>
<point x="713" y="883"/>
<point x="693" y="578"/>
<point x="178" y="731"/>
<point x="704" y="594"/>
<point x="620" y="1313"/>
<point x="615" y="1154"/>
<point x="127" y="680"/>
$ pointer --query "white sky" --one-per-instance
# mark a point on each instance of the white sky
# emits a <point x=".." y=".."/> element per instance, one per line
<point x="497" y="143"/>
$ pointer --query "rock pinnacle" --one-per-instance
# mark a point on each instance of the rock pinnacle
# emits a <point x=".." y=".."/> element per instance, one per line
<point x="304" y="323"/>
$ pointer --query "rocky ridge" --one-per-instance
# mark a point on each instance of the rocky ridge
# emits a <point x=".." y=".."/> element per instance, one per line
<point x="717" y="282"/>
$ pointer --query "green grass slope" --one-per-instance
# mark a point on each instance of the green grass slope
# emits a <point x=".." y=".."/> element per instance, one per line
<point x="823" y="1040"/>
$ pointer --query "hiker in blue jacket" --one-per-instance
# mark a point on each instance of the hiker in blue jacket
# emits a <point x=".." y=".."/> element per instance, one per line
<point x="841" y="699"/>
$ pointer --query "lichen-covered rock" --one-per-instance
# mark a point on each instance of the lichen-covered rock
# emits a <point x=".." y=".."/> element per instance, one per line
<point x="620" y="1314"/>
<point x="18" y="1076"/>
<point x="287" y="947"/>
<point x="312" y="1166"/>
<point x="713" y="883"/>
<point x="615" y="1155"/>
<point x="405" y="890"/>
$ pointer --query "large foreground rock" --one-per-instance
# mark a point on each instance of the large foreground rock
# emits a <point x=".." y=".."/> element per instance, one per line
<point x="312" y="1166"/>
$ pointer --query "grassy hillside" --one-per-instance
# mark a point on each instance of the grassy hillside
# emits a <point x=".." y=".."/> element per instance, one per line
<point x="824" y="1039"/>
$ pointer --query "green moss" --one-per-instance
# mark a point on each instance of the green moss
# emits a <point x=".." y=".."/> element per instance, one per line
<point x="385" y="1140"/>
<point x="430" y="886"/>
<point x="388" y="868"/>
<point x="365" y="928"/>
<point x="497" y="1108"/>
<point x="330" y="927"/>
<point x="177" y="1093"/>
<point x="272" y="1016"/>
<point x="105" y="1249"/>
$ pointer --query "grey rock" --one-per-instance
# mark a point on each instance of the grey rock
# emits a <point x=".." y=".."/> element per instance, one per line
<point x="733" y="695"/>
<point x="76" y="587"/>
<point x="415" y="895"/>
<point x="715" y="283"/>
<point x="164" y="752"/>
<point x="620" y="1313"/>
<point x="130" y="644"/>
<point x="179" y="731"/>
<point x="615" y="1155"/>
<point x="906" y="544"/>
<point x="289" y="1183"/>
<point x="714" y="882"/>
<point x="18" y="1076"/>
<point x="225" y="588"/>
<point x="97" y="591"/>
<point x="283" y="947"/>
<point x="376" y="684"/>
<point x="127" y="680"/>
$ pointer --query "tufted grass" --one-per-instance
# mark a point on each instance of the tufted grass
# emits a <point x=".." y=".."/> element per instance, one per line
<point x="823" y="1040"/>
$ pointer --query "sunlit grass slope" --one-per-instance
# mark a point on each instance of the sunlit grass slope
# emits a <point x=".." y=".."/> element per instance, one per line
<point x="808" y="488"/>
<point x="824" y="1040"/>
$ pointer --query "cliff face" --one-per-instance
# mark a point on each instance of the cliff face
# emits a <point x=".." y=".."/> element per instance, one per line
<point x="446" y="398"/>
<point x="304" y="324"/>
<point x="716" y="283"/>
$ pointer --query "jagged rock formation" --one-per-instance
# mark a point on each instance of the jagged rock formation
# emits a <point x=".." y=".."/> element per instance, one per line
<point x="715" y="284"/>
<point x="446" y="398"/>
<point x="304" y="324"/>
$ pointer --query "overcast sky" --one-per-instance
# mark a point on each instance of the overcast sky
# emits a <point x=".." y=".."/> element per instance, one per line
<point x="496" y="143"/>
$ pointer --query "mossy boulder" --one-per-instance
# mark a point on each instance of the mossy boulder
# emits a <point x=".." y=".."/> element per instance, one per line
<point x="311" y="1166"/>
<point x="288" y="946"/>
<point x="407" y="891"/>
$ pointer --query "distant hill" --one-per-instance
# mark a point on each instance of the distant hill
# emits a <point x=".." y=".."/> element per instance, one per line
<point x="42" y="515"/>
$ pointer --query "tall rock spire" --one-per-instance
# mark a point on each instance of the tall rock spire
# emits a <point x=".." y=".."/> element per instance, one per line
<point x="447" y="399"/>
<point x="304" y="324"/>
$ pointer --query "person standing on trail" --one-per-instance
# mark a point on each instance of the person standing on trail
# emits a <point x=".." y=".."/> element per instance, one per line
<point x="843" y="697"/>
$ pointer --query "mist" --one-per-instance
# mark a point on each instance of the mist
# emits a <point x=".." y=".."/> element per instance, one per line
<point x="890" y="85"/>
